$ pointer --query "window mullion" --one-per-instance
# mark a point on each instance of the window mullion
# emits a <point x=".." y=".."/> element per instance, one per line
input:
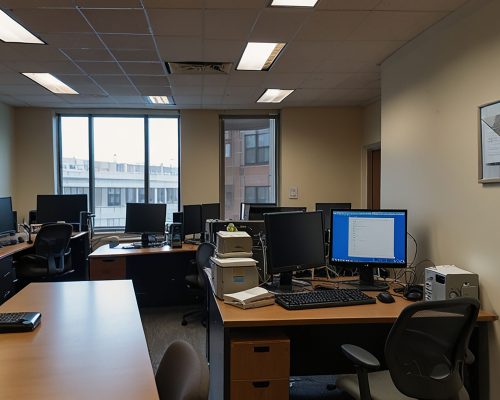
<point x="91" y="165"/>
<point x="146" y="159"/>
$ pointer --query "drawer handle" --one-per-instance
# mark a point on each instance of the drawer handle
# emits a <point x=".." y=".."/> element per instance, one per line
<point x="262" y="384"/>
<point x="261" y="349"/>
<point x="108" y="260"/>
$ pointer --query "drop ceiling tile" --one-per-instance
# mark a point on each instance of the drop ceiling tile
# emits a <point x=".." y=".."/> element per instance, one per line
<point x="419" y="5"/>
<point x="42" y="100"/>
<point x="88" y="54"/>
<point x="180" y="49"/>
<point x="104" y="80"/>
<point x="348" y="5"/>
<point x="394" y="25"/>
<point x="44" y="66"/>
<point x="246" y="78"/>
<point x="75" y="80"/>
<point x="36" y="3"/>
<point x="223" y="50"/>
<point x="174" y="3"/>
<point x="242" y="4"/>
<point x="324" y="80"/>
<point x="305" y="95"/>
<point x="346" y="65"/>
<point x="108" y="3"/>
<point x="331" y="25"/>
<point x="4" y="68"/>
<point x="278" y="24"/>
<point x="360" y="81"/>
<point x="48" y="20"/>
<point x="212" y="99"/>
<point x="88" y="90"/>
<point x="215" y="79"/>
<point x="136" y="55"/>
<point x="143" y="68"/>
<point x="117" y="21"/>
<point x="120" y="90"/>
<point x="302" y="56"/>
<point x="89" y="100"/>
<point x="139" y="80"/>
<point x="284" y="80"/>
<point x="186" y="91"/>
<point x="72" y="40"/>
<point x="370" y="51"/>
<point x="190" y="100"/>
<point x="128" y="41"/>
<point x="100" y="68"/>
<point x="12" y="78"/>
<point x="241" y="91"/>
<point x="185" y="79"/>
<point x="234" y="24"/>
<point x="12" y="101"/>
<point x="154" y="90"/>
<point x="32" y="88"/>
<point x="130" y="99"/>
<point x="176" y="22"/>
<point x="213" y="90"/>
<point x="29" y="52"/>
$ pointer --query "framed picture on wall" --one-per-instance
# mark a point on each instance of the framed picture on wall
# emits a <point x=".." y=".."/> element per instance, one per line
<point x="489" y="143"/>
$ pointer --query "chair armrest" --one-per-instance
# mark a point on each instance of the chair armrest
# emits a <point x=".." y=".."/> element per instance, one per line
<point x="469" y="357"/>
<point x="360" y="357"/>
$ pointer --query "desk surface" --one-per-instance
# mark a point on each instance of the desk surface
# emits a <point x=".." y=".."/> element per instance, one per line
<point x="16" y="248"/>
<point x="275" y="315"/>
<point x="89" y="345"/>
<point x="119" y="251"/>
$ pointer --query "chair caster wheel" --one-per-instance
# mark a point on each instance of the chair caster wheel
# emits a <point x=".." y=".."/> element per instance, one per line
<point x="184" y="323"/>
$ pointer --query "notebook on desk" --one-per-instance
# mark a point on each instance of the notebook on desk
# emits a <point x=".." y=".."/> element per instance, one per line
<point x="19" y="322"/>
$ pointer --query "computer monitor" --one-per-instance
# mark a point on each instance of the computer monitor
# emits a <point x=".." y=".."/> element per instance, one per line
<point x="368" y="239"/>
<point x="257" y="211"/>
<point x="6" y="216"/>
<point x="245" y="209"/>
<point x="327" y="207"/>
<point x="145" y="218"/>
<point x="294" y="242"/>
<point x="209" y="211"/>
<point x="192" y="219"/>
<point x="60" y="207"/>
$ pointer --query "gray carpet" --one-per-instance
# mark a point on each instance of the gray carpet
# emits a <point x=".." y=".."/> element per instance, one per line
<point x="163" y="325"/>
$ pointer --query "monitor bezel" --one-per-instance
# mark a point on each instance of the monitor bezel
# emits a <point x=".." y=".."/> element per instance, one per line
<point x="12" y="229"/>
<point x="129" y="208"/>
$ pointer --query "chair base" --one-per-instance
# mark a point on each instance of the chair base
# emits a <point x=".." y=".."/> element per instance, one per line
<point x="199" y="313"/>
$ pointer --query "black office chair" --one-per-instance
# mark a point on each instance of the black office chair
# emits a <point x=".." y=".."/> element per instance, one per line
<point x="51" y="257"/>
<point x="196" y="281"/>
<point x="182" y="374"/>
<point x="425" y="354"/>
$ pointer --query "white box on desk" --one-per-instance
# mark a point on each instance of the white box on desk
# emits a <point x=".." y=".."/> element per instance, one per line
<point x="233" y="242"/>
<point x="231" y="275"/>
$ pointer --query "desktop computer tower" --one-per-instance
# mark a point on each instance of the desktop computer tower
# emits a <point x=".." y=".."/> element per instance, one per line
<point x="175" y="235"/>
<point x="444" y="282"/>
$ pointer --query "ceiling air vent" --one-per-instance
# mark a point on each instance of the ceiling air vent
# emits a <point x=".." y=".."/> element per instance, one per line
<point x="201" y="67"/>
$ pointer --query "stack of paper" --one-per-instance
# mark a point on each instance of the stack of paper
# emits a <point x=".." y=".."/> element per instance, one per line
<point x="250" y="298"/>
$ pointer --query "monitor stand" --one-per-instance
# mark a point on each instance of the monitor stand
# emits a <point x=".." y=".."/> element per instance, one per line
<point x="284" y="285"/>
<point x="367" y="282"/>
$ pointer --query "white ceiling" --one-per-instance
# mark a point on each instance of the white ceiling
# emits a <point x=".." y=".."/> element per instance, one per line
<point x="113" y="51"/>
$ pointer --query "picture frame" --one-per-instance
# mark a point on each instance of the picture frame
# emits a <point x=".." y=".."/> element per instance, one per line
<point x="489" y="143"/>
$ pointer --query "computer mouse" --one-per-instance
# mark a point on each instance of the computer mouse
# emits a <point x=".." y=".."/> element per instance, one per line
<point x="20" y="239"/>
<point x="385" y="297"/>
<point x="414" y="296"/>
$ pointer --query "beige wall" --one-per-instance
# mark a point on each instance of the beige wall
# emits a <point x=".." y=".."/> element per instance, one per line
<point x="320" y="155"/>
<point x="431" y="91"/>
<point x="6" y="149"/>
<point x="369" y="141"/>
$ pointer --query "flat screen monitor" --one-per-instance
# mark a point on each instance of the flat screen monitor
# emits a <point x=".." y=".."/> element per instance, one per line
<point x="145" y="218"/>
<point x="294" y="242"/>
<point x="257" y="211"/>
<point x="327" y="207"/>
<point x="6" y="216"/>
<point x="192" y="219"/>
<point x="245" y="209"/>
<point x="60" y="207"/>
<point x="368" y="239"/>
<point x="209" y="211"/>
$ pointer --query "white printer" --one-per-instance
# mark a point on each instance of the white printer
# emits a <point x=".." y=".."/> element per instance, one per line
<point x="448" y="281"/>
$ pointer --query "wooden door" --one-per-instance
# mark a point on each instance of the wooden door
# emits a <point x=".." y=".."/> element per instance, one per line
<point x="373" y="181"/>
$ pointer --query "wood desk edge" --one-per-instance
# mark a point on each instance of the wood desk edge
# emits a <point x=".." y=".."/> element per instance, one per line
<point x="105" y="251"/>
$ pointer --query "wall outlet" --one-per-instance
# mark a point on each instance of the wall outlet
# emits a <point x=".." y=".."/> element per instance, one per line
<point x="293" y="193"/>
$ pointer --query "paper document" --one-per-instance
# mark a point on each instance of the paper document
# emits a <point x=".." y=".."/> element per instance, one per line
<point x="250" y="298"/>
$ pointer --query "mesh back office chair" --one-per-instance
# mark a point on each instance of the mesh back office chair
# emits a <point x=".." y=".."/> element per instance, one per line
<point x="425" y="352"/>
<point x="51" y="256"/>
<point x="182" y="374"/>
<point x="196" y="282"/>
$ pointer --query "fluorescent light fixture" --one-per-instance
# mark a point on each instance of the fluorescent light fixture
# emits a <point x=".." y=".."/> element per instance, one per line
<point x="159" y="100"/>
<point x="274" y="95"/>
<point x="259" y="56"/>
<point x="50" y="82"/>
<point x="293" y="3"/>
<point x="13" y="32"/>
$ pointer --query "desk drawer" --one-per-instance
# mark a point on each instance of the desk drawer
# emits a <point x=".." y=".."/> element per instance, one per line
<point x="260" y="390"/>
<point x="260" y="358"/>
<point x="107" y="268"/>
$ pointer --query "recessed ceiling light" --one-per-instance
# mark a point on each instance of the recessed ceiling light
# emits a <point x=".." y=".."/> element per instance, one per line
<point x="13" y="32"/>
<point x="259" y="56"/>
<point x="50" y="82"/>
<point x="159" y="100"/>
<point x="293" y="3"/>
<point x="274" y="95"/>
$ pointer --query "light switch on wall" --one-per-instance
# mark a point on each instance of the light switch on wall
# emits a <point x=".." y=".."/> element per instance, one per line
<point x="293" y="193"/>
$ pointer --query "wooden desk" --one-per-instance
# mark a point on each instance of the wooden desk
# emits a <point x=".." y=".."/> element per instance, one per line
<point x="157" y="272"/>
<point x="89" y="345"/>
<point x="316" y="335"/>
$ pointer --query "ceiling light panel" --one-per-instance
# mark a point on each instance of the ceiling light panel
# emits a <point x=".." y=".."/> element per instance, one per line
<point x="259" y="56"/>
<point x="274" y="95"/>
<point x="159" y="100"/>
<point x="13" y="32"/>
<point x="50" y="82"/>
<point x="293" y="3"/>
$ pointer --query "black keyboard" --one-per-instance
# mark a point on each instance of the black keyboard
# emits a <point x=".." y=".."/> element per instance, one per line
<point x="8" y="242"/>
<point x="19" y="322"/>
<point x="323" y="298"/>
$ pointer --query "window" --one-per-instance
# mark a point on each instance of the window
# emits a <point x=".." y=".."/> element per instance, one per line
<point x="113" y="171"/>
<point x="250" y="171"/>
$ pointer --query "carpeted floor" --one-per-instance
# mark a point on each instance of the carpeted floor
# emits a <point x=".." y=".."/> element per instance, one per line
<point x="163" y="325"/>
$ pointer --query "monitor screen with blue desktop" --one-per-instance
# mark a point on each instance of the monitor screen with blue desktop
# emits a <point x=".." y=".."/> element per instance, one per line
<point x="368" y="239"/>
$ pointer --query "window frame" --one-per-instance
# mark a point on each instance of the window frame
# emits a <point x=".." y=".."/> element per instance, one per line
<point x="91" y="179"/>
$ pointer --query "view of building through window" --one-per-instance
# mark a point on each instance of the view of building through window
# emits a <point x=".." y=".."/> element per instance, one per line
<point x="119" y="163"/>
<point x="249" y="162"/>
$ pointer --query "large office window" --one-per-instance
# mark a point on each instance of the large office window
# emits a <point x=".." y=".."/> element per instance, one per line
<point x="249" y="172"/>
<point x="118" y="160"/>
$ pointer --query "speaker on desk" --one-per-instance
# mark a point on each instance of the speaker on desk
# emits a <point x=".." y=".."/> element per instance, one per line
<point x="84" y="221"/>
<point x="175" y="235"/>
<point x="32" y="217"/>
<point x="14" y="220"/>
